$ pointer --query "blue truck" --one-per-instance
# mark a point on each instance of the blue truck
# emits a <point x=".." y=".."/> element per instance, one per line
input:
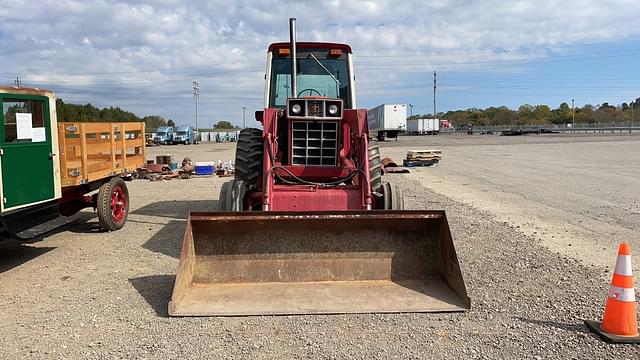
<point x="164" y="135"/>
<point x="185" y="135"/>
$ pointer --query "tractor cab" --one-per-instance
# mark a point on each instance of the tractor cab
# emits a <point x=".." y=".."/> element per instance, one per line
<point x="311" y="106"/>
<point x="324" y="70"/>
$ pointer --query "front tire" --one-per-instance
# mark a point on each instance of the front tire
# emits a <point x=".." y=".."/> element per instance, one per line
<point x="113" y="204"/>
<point x="392" y="198"/>
<point x="233" y="196"/>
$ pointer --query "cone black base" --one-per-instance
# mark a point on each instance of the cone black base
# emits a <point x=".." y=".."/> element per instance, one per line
<point x="612" y="338"/>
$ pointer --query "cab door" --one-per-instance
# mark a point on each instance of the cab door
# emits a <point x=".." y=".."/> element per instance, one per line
<point x="26" y="158"/>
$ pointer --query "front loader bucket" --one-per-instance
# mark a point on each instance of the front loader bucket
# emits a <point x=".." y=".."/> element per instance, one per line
<point x="277" y="263"/>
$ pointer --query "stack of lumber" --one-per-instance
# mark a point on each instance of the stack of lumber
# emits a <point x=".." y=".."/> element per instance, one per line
<point x="422" y="157"/>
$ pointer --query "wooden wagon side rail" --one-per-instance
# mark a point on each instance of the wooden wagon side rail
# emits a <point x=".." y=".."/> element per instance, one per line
<point x="93" y="151"/>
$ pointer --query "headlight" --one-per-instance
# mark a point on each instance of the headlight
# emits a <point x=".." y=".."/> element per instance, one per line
<point x="333" y="109"/>
<point x="296" y="108"/>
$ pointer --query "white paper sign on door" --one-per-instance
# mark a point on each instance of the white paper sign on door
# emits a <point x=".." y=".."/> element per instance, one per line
<point x="39" y="134"/>
<point x="23" y="125"/>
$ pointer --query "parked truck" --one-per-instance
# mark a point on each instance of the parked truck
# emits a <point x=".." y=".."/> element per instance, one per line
<point x="423" y="126"/>
<point x="185" y="135"/>
<point x="50" y="168"/>
<point x="164" y="135"/>
<point x="387" y="120"/>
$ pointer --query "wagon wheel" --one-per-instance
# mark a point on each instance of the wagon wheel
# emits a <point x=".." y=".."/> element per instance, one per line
<point x="113" y="204"/>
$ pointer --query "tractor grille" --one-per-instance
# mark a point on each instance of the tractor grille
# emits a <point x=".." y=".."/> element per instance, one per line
<point x="315" y="108"/>
<point x="314" y="143"/>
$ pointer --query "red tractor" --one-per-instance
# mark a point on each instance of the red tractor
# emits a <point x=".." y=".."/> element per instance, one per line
<point x="313" y="151"/>
<point x="307" y="226"/>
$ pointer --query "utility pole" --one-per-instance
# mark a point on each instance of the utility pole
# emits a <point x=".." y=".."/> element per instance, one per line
<point x="196" y="96"/>
<point x="17" y="82"/>
<point x="434" y="96"/>
<point x="573" y="115"/>
<point x="244" y="122"/>
<point x="633" y="105"/>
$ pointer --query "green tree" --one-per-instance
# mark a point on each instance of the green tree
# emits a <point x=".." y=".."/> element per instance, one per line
<point x="171" y="123"/>
<point x="223" y="125"/>
<point x="562" y="115"/>
<point x="153" y="122"/>
<point x="541" y="115"/>
<point x="525" y="114"/>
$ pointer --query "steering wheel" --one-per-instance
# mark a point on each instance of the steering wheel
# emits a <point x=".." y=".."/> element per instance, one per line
<point x="311" y="91"/>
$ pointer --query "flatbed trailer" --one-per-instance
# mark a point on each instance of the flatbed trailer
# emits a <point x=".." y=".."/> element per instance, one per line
<point x="48" y="169"/>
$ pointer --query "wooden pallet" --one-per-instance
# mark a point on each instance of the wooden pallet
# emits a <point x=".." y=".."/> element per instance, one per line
<point x="96" y="150"/>
<point x="431" y="154"/>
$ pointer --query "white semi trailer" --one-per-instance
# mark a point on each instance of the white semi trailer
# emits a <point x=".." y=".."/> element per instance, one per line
<point x="387" y="120"/>
<point x="423" y="126"/>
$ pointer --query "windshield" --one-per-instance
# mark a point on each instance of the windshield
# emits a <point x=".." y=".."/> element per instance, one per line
<point x="162" y="132"/>
<point x="181" y="133"/>
<point x="317" y="76"/>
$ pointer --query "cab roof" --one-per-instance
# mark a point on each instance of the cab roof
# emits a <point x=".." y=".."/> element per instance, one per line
<point x="311" y="45"/>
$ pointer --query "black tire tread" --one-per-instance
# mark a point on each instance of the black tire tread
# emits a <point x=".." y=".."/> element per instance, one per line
<point x="392" y="197"/>
<point x="232" y="196"/>
<point x="249" y="152"/>
<point x="375" y="168"/>
<point x="222" y="199"/>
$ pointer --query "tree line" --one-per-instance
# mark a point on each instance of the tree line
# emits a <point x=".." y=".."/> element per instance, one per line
<point x="542" y="114"/>
<point x="90" y="113"/>
<point x="502" y="115"/>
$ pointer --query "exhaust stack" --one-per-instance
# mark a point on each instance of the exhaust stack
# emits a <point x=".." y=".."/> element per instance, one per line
<point x="294" y="67"/>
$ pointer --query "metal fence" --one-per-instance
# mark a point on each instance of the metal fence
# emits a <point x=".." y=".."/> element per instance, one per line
<point x="577" y="128"/>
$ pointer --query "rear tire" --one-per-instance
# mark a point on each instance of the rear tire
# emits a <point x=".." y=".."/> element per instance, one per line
<point x="249" y="153"/>
<point x="392" y="198"/>
<point x="375" y="168"/>
<point x="113" y="204"/>
<point x="233" y="196"/>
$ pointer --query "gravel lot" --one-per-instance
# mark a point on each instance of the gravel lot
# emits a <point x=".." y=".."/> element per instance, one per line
<point x="80" y="293"/>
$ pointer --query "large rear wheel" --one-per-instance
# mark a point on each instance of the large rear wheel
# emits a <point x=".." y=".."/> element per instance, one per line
<point x="113" y="204"/>
<point x="249" y="152"/>
<point x="375" y="168"/>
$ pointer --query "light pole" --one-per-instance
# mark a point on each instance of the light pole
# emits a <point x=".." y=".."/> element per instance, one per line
<point x="196" y="96"/>
<point x="244" y="122"/>
<point x="573" y="115"/>
<point x="434" y="96"/>
<point x="410" y="111"/>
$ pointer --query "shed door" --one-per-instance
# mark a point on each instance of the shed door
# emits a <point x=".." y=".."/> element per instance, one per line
<point x="26" y="157"/>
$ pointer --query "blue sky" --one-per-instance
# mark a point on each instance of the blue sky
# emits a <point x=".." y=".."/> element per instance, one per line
<point x="588" y="73"/>
<point x="144" y="55"/>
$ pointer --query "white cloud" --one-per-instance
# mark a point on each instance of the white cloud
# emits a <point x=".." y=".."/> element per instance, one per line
<point x="144" y="55"/>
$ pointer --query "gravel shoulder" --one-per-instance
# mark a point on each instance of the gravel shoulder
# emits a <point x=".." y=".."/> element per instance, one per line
<point x="579" y="195"/>
<point x="80" y="293"/>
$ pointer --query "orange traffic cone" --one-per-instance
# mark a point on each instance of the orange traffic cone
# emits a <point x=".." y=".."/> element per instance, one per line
<point x="620" y="323"/>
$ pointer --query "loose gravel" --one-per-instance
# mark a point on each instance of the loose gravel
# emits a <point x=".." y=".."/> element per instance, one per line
<point x="83" y="294"/>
